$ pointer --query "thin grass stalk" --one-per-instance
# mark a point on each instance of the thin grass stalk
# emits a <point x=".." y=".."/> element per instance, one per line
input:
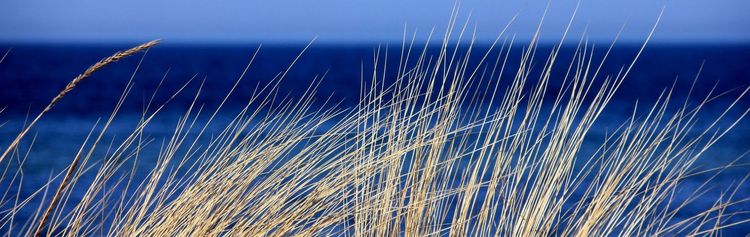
<point x="71" y="85"/>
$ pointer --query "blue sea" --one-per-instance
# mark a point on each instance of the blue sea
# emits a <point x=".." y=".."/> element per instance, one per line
<point x="32" y="74"/>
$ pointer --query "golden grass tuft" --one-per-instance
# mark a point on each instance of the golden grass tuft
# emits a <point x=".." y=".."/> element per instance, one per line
<point x="419" y="157"/>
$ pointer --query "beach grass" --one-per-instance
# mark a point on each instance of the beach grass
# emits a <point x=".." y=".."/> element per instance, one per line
<point x="427" y="155"/>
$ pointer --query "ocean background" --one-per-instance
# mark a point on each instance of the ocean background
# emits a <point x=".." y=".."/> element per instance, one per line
<point x="33" y="73"/>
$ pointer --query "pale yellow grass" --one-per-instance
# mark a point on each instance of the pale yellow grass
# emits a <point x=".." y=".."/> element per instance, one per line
<point x="418" y="157"/>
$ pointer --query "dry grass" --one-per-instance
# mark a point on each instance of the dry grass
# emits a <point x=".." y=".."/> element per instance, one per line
<point x="419" y="157"/>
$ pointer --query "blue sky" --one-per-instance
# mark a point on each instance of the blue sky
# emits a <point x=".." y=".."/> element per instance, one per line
<point x="252" y="21"/>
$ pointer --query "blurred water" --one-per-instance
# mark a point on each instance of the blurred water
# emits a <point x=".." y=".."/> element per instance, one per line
<point x="32" y="74"/>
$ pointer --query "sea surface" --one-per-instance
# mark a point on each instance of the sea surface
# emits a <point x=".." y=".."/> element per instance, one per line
<point x="32" y="74"/>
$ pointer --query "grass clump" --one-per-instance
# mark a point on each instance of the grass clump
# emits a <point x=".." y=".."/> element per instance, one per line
<point x="451" y="148"/>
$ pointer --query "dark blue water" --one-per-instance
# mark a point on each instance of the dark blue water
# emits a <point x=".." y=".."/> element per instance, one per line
<point x="32" y="74"/>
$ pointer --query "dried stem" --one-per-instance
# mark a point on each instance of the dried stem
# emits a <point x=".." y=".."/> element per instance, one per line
<point x="72" y="84"/>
